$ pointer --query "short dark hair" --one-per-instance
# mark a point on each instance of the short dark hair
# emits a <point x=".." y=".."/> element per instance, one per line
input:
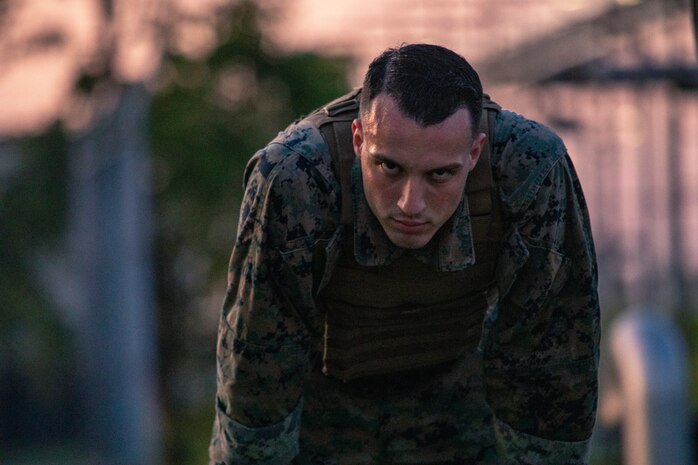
<point x="429" y="83"/>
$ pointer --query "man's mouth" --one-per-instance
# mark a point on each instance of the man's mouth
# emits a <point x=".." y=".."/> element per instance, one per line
<point x="409" y="225"/>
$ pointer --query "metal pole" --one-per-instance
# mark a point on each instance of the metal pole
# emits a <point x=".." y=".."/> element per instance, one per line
<point x="111" y="214"/>
<point x="652" y="365"/>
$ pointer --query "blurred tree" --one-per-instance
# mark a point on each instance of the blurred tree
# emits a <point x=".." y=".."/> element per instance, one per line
<point x="36" y="351"/>
<point x="221" y="91"/>
<point x="208" y="118"/>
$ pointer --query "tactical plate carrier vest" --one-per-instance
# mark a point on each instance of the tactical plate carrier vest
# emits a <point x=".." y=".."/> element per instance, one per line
<point x="406" y="315"/>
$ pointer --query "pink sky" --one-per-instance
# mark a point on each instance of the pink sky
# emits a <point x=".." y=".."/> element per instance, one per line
<point x="36" y="83"/>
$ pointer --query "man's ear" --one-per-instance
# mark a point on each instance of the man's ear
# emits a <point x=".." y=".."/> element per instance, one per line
<point x="476" y="149"/>
<point x="357" y="136"/>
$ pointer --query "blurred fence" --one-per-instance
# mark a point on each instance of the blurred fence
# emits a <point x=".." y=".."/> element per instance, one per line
<point x="634" y="147"/>
<point x="631" y="132"/>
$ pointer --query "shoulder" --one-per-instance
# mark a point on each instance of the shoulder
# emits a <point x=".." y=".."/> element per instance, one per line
<point x="290" y="186"/>
<point x="523" y="155"/>
<point x="297" y="153"/>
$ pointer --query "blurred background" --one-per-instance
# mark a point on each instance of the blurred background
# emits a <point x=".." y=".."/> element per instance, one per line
<point x="124" y="129"/>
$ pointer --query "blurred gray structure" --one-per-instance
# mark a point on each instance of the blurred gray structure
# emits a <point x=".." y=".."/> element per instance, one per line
<point x="621" y="88"/>
<point x="111" y="229"/>
<point x="617" y="79"/>
<point x="651" y="361"/>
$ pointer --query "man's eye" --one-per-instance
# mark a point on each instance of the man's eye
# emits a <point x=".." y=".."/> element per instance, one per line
<point x="441" y="175"/>
<point x="390" y="167"/>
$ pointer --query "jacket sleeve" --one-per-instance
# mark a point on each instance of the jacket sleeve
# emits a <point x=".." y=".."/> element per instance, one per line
<point x="541" y="358"/>
<point x="267" y="324"/>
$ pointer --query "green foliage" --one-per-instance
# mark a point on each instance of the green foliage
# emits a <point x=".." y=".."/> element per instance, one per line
<point x="36" y="354"/>
<point x="688" y="322"/>
<point x="213" y="114"/>
<point x="33" y="202"/>
<point x="208" y="119"/>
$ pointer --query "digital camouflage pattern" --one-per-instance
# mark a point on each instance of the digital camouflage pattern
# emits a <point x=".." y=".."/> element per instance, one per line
<point x="526" y="396"/>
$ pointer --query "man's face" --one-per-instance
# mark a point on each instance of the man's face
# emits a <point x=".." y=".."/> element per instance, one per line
<point x="413" y="176"/>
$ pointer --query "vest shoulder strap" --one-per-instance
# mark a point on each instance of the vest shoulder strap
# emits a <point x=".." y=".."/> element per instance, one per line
<point x="334" y="122"/>
<point x="480" y="184"/>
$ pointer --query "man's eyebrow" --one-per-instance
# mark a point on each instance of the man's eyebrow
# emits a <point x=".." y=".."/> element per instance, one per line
<point x="380" y="158"/>
<point x="450" y="167"/>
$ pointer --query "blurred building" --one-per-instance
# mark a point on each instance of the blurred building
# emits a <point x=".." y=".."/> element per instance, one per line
<point x="621" y="90"/>
<point x="477" y="29"/>
<point x="616" y="79"/>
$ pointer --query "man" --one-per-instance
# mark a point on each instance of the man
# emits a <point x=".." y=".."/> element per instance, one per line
<point x="407" y="288"/>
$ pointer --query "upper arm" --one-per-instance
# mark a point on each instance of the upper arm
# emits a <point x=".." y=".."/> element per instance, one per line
<point x="268" y="324"/>
<point x="542" y="358"/>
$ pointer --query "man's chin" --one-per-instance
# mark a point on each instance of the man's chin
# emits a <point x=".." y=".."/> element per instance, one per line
<point x="409" y="241"/>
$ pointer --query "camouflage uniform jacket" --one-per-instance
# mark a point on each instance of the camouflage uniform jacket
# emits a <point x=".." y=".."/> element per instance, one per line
<point x="528" y="394"/>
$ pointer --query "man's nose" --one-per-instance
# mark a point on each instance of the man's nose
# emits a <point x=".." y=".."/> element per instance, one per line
<point x="411" y="200"/>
